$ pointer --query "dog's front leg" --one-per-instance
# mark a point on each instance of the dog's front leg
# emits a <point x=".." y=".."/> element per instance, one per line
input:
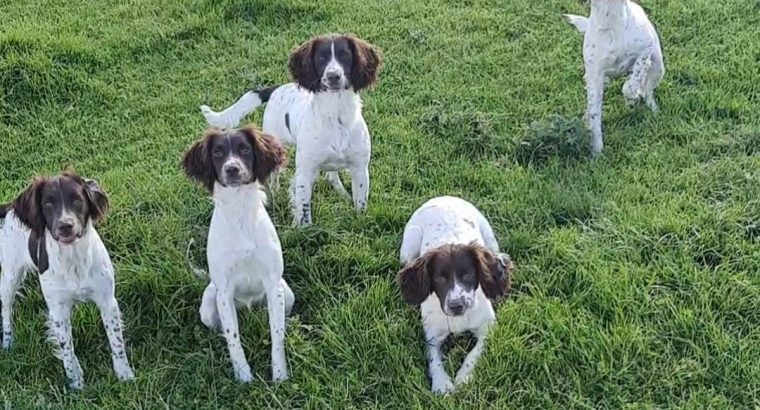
<point x="111" y="317"/>
<point x="9" y="285"/>
<point x="60" y="330"/>
<point x="275" y="294"/>
<point x="465" y="372"/>
<point x="441" y="382"/>
<point x="225" y="305"/>
<point x="360" y="186"/>
<point x="302" y="191"/>
<point x="595" y="97"/>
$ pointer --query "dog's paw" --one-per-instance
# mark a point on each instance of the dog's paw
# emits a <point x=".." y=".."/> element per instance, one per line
<point x="7" y="341"/>
<point x="76" y="383"/>
<point x="124" y="374"/>
<point x="243" y="374"/>
<point x="443" y="387"/>
<point x="280" y="375"/>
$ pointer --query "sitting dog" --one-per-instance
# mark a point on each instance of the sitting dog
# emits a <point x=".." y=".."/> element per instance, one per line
<point x="454" y="271"/>
<point x="618" y="39"/>
<point x="321" y="114"/>
<point x="50" y="229"/>
<point x="244" y="252"/>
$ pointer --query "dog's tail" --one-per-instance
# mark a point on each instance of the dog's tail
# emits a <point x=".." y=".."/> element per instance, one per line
<point x="4" y="210"/>
<point x="580" y="22"/>
<point x="232" y="115"/>
<point x="196" y="270"/>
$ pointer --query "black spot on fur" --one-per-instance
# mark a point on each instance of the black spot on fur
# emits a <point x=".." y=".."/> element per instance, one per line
<point x="265" y="93"/>
<point x="287" y="121"/>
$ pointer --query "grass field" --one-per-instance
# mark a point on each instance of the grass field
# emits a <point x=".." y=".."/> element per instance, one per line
<point x="636" y="282"/>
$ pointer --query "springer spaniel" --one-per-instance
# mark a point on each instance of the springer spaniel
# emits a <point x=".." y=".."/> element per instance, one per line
<point x="50" y="229"/>
<point x="618" y="39"/>
<point x="320" y="113"/>
<point x="244" y="253"/>
<point x="454" y="271"/>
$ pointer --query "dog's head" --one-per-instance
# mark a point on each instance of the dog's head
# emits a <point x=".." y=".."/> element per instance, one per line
<point x="233" y="158"/>
<point x="454" y="273"/>
<point x="334" y="63"/>
<point x="64" y="205"/>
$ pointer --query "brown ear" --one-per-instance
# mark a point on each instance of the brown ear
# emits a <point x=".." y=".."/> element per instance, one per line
<point x="28" y="208"/>
<point x="197" y="162"/>
<point x="97" y="198"/>
<point x="268" y="153"/>
<point x="302" y="67"/>
<point x="494" y="271"/>
<point x="367" y="63"/>
<point x="414" y="280"/>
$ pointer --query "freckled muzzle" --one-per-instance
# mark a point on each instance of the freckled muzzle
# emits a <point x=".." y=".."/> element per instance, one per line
<point x="458" y="306"/>
<point x="235" y="173"/>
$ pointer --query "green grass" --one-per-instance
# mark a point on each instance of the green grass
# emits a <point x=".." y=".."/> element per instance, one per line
<point x="637" y="281"/>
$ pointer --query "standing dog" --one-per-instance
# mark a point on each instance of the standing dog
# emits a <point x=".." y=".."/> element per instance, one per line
<point x="454" y="271"/>
<point x="618" y="39"/>
<point x="321" y="114"/>
<point x="244" y="253"/>
<point x="49" y="228"/>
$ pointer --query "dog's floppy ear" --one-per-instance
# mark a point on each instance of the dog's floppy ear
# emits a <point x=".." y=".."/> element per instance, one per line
<point x="28" y="207"/>
<point x="197" y="161"/>
<point x="367" y="63"/>
<point x="97" y="198"/>
<point x="494" y="271"/>
<point x="414" y="280"/>
<point x="268" y="153"/>
<point x="302" y="66"/>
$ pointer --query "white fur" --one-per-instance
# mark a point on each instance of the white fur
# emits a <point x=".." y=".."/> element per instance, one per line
<point x="618" y="39"/>
<point x="245" y="266"/>
<point x="441" y="221"/>
<point x="327" y="129"/>
<point x="81" y="271"/>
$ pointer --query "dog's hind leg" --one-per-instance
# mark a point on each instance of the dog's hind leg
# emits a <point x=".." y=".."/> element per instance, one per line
<point x="334" y="179"/>
<point x="208" y="311"/>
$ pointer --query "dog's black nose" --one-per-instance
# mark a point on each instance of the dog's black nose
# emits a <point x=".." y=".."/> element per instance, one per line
<point x="333" y="77"/>
<point x="456" y="307"/>
<point x="232" y="171"/>
<point x="65" y="228"/>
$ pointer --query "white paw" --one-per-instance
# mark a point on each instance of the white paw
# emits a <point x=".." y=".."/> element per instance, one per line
<point x="462" y="378"/>
<point x="124" y="373"/>
<point x="244" y="374"/>
<point x="442" y="387"/>
<point x="76" y="384"/>
<point x="280" y="375"/>
<point x="7" y="341"/>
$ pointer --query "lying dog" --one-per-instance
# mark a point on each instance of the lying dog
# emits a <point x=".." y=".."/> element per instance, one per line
<point x="454" y="271"/>
<point x="321" y="114"/>
<point x="244" y="252"/>
<point x="618" y="39"/>
<point x="50" y="229"/>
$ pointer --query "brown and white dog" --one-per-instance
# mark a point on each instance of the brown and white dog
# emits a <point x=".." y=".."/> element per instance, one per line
<point x="244" y="252"/>
<point x="320" y="114"/>
<point x="453" y="272"/>
<point x="50" y="229"/>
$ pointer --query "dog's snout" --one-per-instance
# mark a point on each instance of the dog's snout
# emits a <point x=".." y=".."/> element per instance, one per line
<point x="333" y="76"/>
<point x="232" y="171"/>
<point x="65" y="227"/>
<point x="456" y="307"/>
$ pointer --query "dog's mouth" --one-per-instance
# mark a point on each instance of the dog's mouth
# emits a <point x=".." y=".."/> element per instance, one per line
<point x="67" y="239"/>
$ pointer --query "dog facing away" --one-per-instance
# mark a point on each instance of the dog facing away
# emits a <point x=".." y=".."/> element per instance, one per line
<point x="244" y="252"/>
<point x="320" y="114"/>
<point x="50" y="229"/>
<point x="618" y="39"/>
<point x="454" y="272"/>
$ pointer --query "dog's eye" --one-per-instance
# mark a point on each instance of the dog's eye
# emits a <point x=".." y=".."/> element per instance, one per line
<point x="344" y="55"/>
<point x="441" y="280"/>
<point x="245" y="149"/>
<point x="321" y="57"/>
<point x="217" y="152"/>
<point x="47" y="205"/>
<point x="470" y="277"/>
<point x="78" y="204"/>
